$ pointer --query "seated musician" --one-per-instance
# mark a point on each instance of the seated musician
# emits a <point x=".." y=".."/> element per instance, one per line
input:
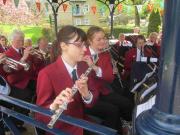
<point x="153" y="45"/>
<point x="110" y="106"/>
<point x="40" y="57"/>
<point x="3" y="44"/>
<point x="43" y="48"/>
<point x="123" y="42"/>
<point x="56" y="80"/>
<point x="3" y="48"/>
<point x="27" y="43"/>
<point x="18" y="78"/>
<point x="135" y="54"/>
<point x="2" y="72"/>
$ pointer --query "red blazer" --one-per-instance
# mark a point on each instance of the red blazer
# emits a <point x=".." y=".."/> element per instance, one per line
<point x="1" y="49"/>
<point x="130" y="57"/>
<point x="104" y="62"/>
<point x="155" y="49"/>
<point x="37" y="65"/>
<point x="51" y="81"/>
<point x="18" y="78"/>
<point x="2" y="72"/>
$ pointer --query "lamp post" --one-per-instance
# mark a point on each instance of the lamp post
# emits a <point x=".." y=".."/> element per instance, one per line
<point x="112" y="8"/>
<point x="164" y="117"/>
<point x="111" y="5"/>
<point x="55" y="6"/>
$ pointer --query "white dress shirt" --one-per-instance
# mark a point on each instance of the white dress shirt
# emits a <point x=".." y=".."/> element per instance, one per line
<point x="70" y="69"/>
<point x="125" y="43"/>
<point x="99" y="71"/>
<point x="17" y="50"/>
<point x="138" y="56"/>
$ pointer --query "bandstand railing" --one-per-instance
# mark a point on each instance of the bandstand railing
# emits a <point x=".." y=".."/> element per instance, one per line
<point x="95" y="128"/>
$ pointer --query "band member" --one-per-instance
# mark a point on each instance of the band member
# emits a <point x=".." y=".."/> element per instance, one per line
<point x="19" y="78"/>
<point x="43" y="48"/>
<point x="27" y="42"/>
<point x="3" y="44"/>
<point x="41" y="57"/>
<point x="135" y="54"/>
<point x="153" y="45"/>
<point x="123" y="42"/>
<point x="2" y="72"/>
<point x="56" y="80"/>
<point x="104" y="73"/>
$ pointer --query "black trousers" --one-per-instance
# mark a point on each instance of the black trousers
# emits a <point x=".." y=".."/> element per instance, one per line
<point x="106" y="111"/>
<point x="110" y="108"/>
<point x="124" y="105"/>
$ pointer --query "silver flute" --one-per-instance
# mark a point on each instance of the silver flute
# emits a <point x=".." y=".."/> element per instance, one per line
<point x="59" y="111"/>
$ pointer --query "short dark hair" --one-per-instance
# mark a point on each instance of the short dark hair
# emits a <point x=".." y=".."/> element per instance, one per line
<point x="141" y="37"/>
<point x="65" y="34"/>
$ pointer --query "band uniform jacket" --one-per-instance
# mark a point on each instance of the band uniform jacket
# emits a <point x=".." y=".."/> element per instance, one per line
<point x="130" y="57"/>
<point x="104" y="62"/>
<point x="51" y="81"/>
<point x="18" y="78"/>
<point x="2" y="72"/>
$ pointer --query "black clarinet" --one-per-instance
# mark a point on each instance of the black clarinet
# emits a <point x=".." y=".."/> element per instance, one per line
<point x="60" y="110"/>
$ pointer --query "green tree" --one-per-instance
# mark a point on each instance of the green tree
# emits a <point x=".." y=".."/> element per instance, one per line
<point x="154" y="21"/>
<point x="134" y="3"/>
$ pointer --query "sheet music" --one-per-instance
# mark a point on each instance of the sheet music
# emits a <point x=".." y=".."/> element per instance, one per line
<point x="145" y="106"/>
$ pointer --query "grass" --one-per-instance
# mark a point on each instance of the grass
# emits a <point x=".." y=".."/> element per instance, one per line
<point x="33" y="32"/>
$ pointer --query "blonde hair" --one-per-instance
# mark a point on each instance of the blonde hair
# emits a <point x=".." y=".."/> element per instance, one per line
<point x="28" y="42"/>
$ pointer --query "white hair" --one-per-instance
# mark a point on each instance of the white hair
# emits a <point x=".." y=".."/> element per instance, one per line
<point x="16" y="33"/>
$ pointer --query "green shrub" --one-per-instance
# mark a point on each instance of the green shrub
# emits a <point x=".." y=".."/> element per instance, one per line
<point x="154" y="21"/>
<point x="116" y="31"/>
<point x="48" y="34"/>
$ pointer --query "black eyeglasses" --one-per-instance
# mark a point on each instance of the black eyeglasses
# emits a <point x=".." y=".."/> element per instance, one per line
<point x="78" y="44"/>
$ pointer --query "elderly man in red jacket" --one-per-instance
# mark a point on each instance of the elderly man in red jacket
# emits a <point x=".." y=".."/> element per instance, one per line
<point x="19" y="78"/>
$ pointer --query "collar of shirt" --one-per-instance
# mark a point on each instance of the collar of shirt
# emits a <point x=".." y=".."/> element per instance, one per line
<point x="92" y="51"/>
<point x="4" y="48"/>
<point x="17" y="50"/>
<point x="150" y="43"/>
<point x="69" y="67"/>
<point x="138" y="56"/>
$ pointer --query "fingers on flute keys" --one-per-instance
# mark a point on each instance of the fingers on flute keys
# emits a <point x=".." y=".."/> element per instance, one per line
<point x="64" y="96"/>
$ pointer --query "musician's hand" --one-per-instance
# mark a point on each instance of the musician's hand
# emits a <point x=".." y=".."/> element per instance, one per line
<point x="83" y="87"/>
<point x="88" y="60"/>
<point x="65" y="96"/>
<point x="27" y="51"/>
<point x="115" y="70"/>
<point x="2" y="55"/>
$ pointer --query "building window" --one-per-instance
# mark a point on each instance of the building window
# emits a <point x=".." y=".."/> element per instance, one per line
<point x="86" y="8"/>
<point x="86" y="21"/>
<point x="78" y="21"/>
<point x="77" y="9"/>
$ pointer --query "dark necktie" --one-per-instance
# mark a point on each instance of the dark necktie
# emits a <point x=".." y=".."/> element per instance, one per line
<point x="74" y="76"/>
<point x="95" y="57"/>
<point x="21" y="52"/>
<point x="121" y="43"/>
<point x="142" y="53"/>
